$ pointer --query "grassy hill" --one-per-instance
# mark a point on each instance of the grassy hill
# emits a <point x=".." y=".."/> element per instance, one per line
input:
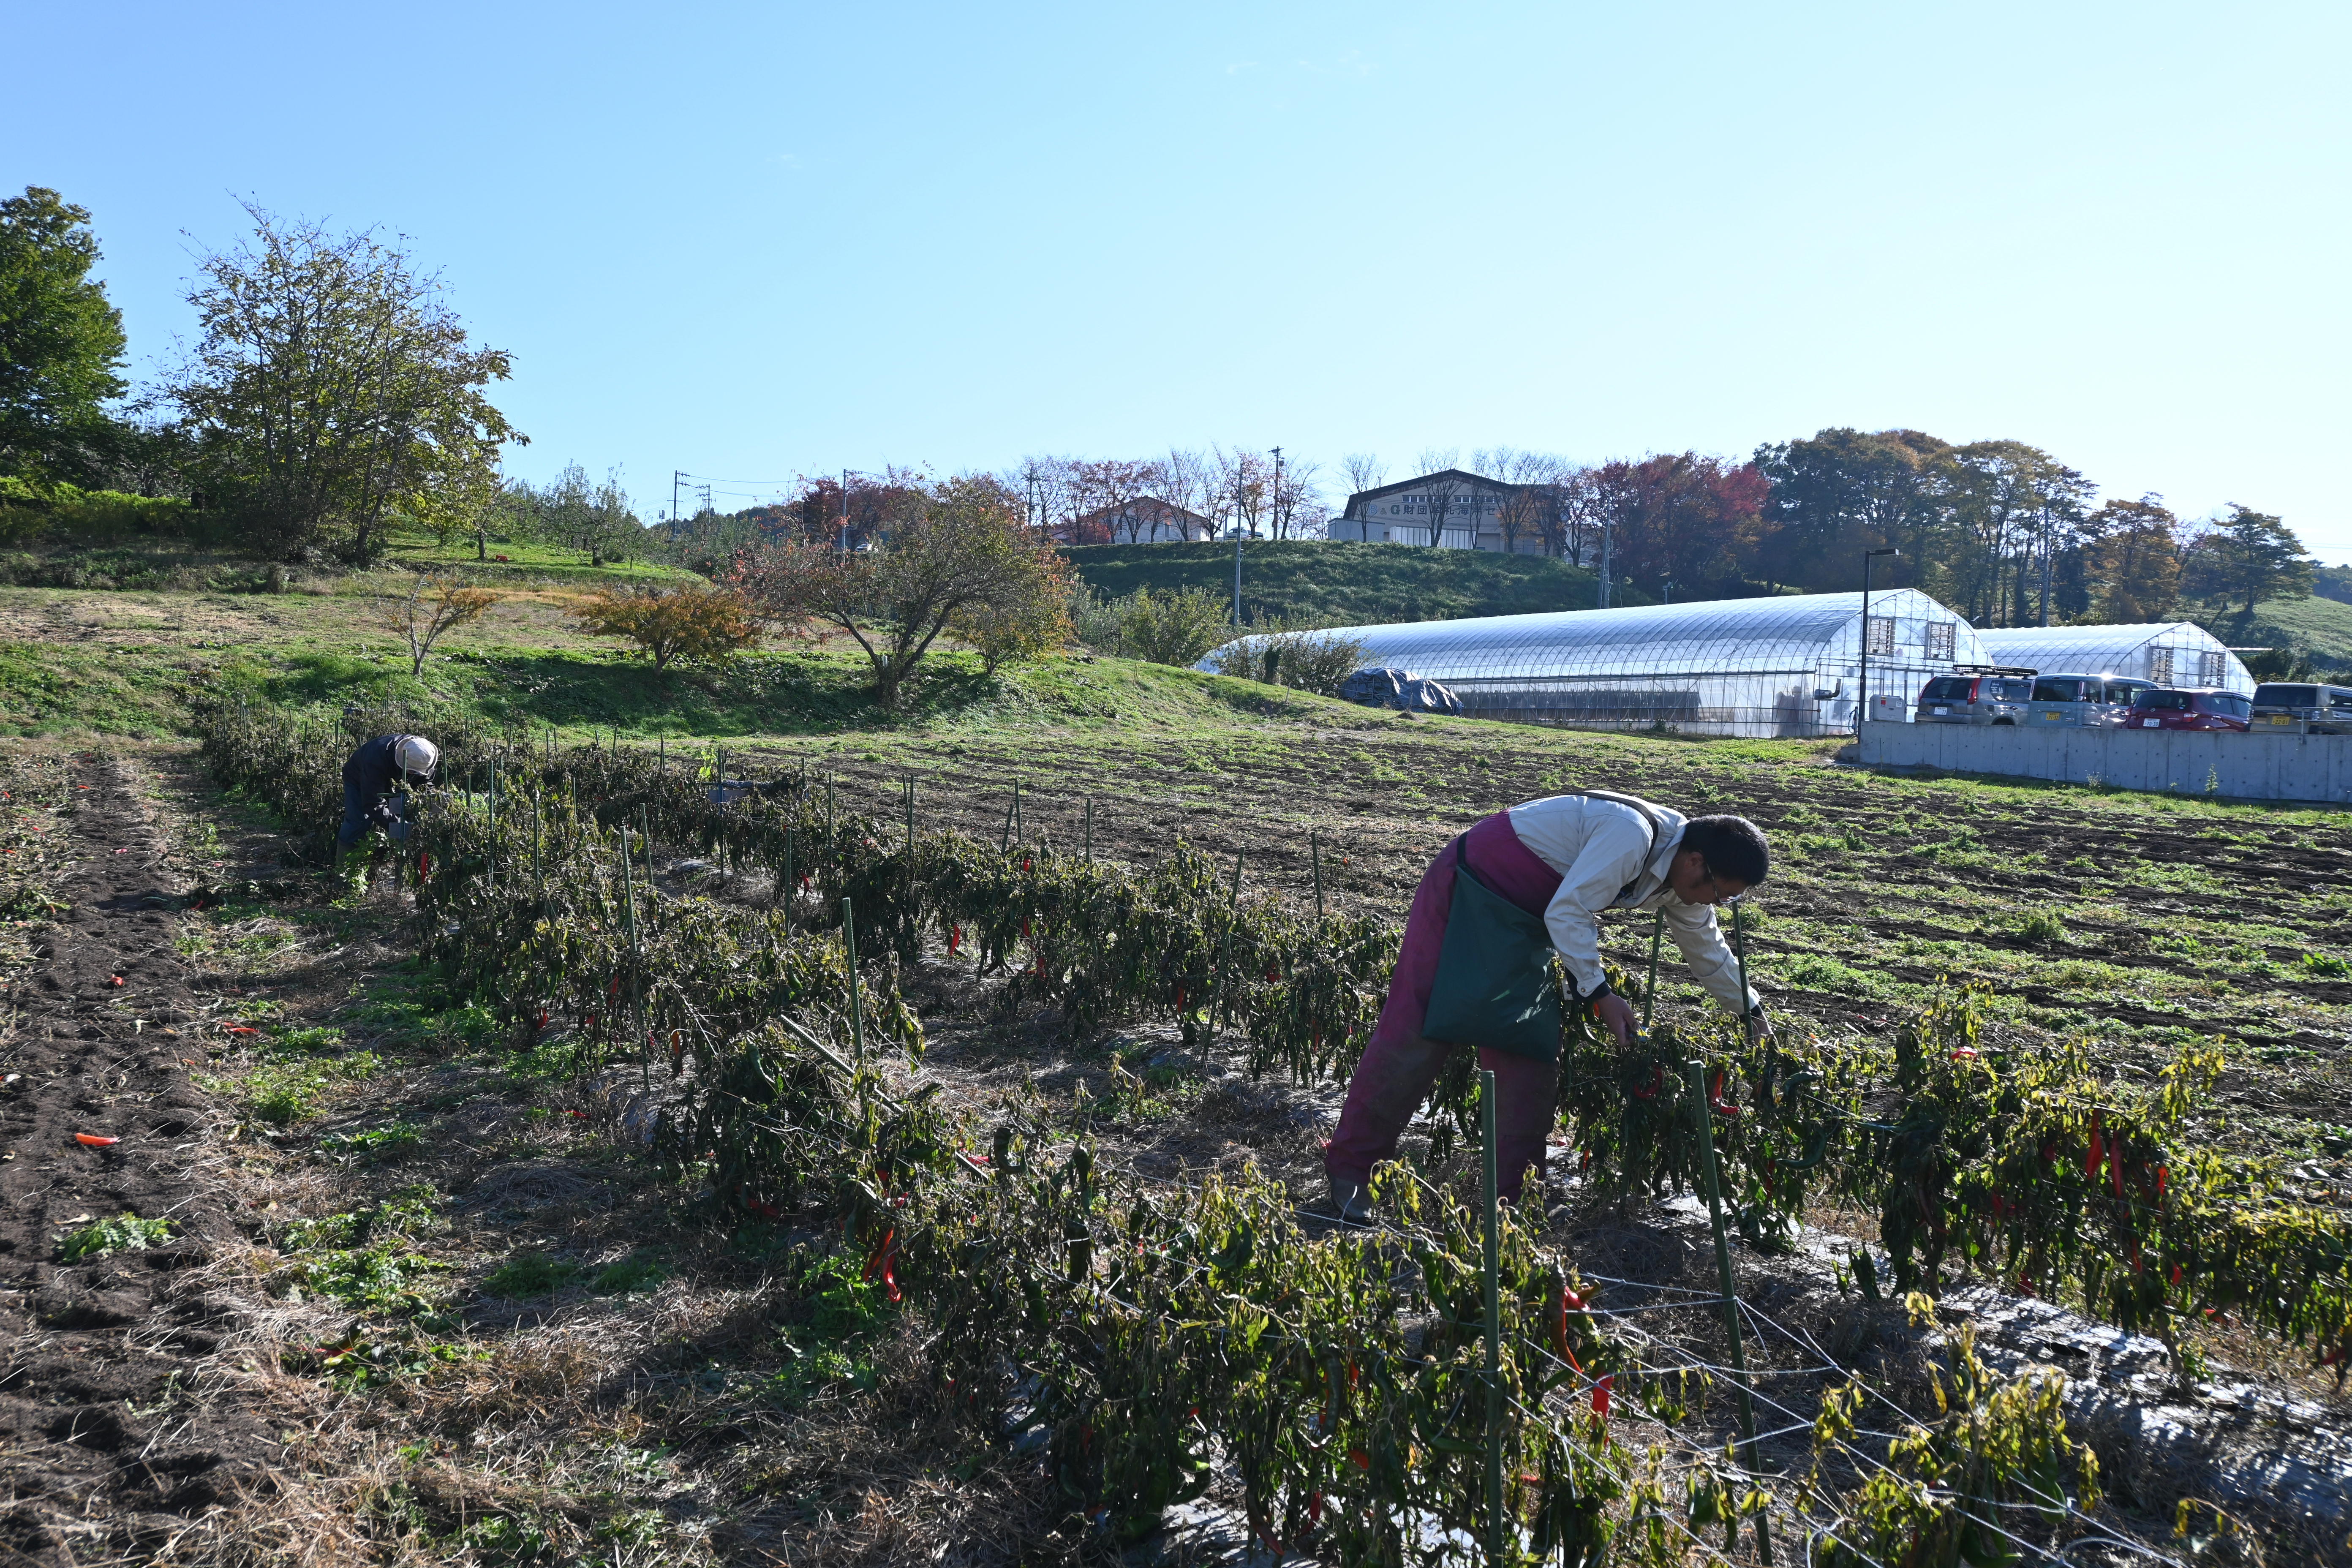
<point x="2321" y="627"/>
<point x="1345" y="583"/>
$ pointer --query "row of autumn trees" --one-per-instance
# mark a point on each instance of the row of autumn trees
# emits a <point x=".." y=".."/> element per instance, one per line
<point x="2000" y="530"/>
<point x="329" y="397"/>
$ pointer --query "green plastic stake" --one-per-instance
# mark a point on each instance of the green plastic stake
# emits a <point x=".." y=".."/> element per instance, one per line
<point x="1696" y="1072"/>
<point x="1225" y="946"/>
<point x="637" y="998"/>
<point x="1739" y="951"/>
<point x="1650" y="991"/>
<point x="856" y="1009"/>
<point x="790" y="885"/>
<point x="1314" y="850"/>
<point x="1090" y="830"/>
<point x="1492" y="1278"/>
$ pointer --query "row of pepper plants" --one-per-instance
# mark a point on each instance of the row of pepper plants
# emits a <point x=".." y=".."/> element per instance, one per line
<point x="2035" y="1170"/>
<point x="1161" y="1328"/>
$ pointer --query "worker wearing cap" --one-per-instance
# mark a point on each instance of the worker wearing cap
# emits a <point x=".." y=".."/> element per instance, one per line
<point x="369" y="780"/>
<point x="1475" y="967"/>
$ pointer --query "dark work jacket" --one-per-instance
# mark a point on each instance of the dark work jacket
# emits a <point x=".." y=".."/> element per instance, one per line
<point x="370" y="770"/>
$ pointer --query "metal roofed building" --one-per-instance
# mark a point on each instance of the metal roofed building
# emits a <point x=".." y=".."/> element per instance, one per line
<point x="2178" y="653"/>
<point x="1783" y="666"/>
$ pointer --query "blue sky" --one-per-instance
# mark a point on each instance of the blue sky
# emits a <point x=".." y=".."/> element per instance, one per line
<point x="757" y="241"/>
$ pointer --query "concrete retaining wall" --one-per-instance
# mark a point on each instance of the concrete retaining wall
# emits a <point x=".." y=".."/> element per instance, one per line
<point x="2315" y="768"/>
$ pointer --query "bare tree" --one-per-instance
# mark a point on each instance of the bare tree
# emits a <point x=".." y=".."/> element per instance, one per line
<point x="1244" y="485"/>
<point x="1578" y="509"/>
<point x="1297" y="492"/>
<point x="1364" y="472"/>
<point x="1184" y="480"/>
<point x="1436" y="459"/>
<point x="1526" y="506"/>
<point x="1110" y="486"/>
<point x="435" y="603"/>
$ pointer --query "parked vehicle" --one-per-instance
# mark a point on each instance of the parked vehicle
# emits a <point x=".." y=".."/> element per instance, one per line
<point x="1980" y="694"/>
<point x="2179" y="708"/>
<point x="2083" y="701"/>
<point x="2315" y="710"/>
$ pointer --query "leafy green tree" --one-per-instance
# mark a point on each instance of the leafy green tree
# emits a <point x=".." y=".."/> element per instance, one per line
<point x="1839" y="492"/>
<point x="953" y="556"/>
<point x="2134" y="549"/>
<point x="61" y="343"/>
<point x="332" y="391"/>
<point x="2250" y="555"/>
<point x="598" y="521"/>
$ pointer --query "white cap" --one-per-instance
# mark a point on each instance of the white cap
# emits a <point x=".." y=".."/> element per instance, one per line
<point x="415" y="754"/>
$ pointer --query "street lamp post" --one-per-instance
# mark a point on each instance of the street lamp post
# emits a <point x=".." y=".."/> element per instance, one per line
<point x="1862" y="704"/>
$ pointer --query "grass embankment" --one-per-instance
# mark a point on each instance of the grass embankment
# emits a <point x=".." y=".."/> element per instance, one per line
<point x="2319" y="627"/>
<point x="1344" y="584"/>
<point x="83" y="662"/>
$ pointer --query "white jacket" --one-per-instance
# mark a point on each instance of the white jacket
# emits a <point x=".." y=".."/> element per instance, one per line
<point x="1599" y="847"/>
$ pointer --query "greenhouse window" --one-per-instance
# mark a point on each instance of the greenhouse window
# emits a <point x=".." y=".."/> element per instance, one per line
<point x="2159" y="666"/>
<point x="1939" y="639"/>
<point x="2212" y="668"/>
<point x="1882" y="635"/>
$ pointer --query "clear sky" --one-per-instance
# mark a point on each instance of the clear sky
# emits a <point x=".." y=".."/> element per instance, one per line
<point x="753" y="241"/>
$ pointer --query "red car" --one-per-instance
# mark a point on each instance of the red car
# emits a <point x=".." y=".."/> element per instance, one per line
<point x="2168" y="708"/>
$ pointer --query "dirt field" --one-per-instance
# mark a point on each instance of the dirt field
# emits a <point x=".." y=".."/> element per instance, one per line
<point x="423" y="1302"/>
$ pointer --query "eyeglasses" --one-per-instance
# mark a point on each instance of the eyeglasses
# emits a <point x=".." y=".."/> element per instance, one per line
<point x="1720" y="896"/>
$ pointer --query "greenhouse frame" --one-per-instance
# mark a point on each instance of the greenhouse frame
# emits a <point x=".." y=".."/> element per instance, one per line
<point x="2176" y="653"/>
<point x="1784" y="666"/>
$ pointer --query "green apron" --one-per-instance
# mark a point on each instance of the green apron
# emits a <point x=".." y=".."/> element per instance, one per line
<point x="1494" y="984"/>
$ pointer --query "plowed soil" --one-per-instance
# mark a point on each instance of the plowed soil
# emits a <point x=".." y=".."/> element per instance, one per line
<point x="100" y="1461"/>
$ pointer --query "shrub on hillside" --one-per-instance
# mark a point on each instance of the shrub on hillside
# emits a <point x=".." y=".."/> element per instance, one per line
<point x="697" y="624"/>
<point x="1165" y="627"/>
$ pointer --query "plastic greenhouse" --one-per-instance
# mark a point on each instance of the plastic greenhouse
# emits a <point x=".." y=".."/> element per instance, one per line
<point x="2178" y="654"/>
<point x="1784" y="666"/>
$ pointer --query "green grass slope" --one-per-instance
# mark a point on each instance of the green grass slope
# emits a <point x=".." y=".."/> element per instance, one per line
<point x="2320" y="627"/>
<point x="1345" y="583"/>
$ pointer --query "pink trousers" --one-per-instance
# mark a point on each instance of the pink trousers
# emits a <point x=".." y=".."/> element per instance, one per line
<point x="1398" y="1065"/>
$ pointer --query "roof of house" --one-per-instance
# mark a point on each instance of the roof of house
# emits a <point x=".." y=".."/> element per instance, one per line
<point x="1462" y="476"/>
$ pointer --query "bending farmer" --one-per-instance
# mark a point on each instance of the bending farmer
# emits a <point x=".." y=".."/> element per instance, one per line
<point x="1475" y="968"/>
<point x="369" y="786"/>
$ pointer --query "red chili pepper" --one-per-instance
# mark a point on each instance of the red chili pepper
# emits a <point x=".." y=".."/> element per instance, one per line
<point x="2116" y="1170"/>
<point x="543" y="1020"/>
<point x="1584" y="1160"/>
<point x="239" y="1029"/>
<point x="1026" y="863"/>
<point x="1657" y="1083"/>
<point x="1364" y="1460"/>
<point x="424" y="866"/>
<point x="2176" y="1274"/>
<point x="1600" y="1396"/>
<point x="677" y="1046"/>
<point x="955" y="938"/>
<point x="2096" y="1153"/>
<point x="576" y="1111"/>
<point x="615" y="988"/>
<point x="1964" y="1054"/>
<point x="94" y="1141"/>
<point x="2134" y="1255"/>
<point x="2162" y="1175"/>
<point x="1714" y="1100"/>
<point x="118" y="980"/>
<point x="2024" y="1284"/>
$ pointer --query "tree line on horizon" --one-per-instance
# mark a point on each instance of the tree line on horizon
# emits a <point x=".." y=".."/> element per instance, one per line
<point x="332" y="397"/>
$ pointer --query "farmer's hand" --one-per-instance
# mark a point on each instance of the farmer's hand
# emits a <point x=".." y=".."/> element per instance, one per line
<point x="1616" y="1013"/>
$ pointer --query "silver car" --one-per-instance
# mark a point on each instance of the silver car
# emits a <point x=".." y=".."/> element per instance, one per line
<point x="2311" y="709"/>
<point x="1975" y="696"/>
<point x="2082" y="701"/>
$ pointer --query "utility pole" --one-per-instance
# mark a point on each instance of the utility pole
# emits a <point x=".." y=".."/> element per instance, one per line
<point x="844" y="511"/>
<point x="2045" y="564"/>
<point x="1277" y="492"/>
<point x="1602" y="600"/>
<point x="677" y="479"/>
